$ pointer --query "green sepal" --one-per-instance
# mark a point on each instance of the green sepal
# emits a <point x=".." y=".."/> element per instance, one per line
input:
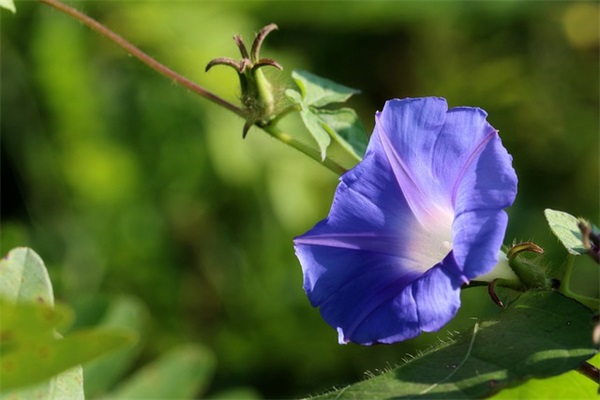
<point x="527" y="262"/>
<point x="257" y="96"/>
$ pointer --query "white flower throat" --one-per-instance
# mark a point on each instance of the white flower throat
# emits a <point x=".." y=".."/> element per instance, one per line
<point x="431" y="238"/>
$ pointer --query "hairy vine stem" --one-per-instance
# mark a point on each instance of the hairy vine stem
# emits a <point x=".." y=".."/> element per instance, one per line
<point x="169" y="73"/>
<point x="145" y="58"/>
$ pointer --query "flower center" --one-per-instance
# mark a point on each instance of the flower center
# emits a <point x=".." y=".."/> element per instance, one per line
<point x="431" y="239"/>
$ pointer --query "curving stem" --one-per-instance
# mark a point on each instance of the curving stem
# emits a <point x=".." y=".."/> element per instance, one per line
<point x="143" y="57"/>
<point x="166" y="71"/>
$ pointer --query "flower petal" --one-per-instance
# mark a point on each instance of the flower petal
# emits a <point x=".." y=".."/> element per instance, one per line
<point x="488" y="180"/>
<point x="437" y="294"/>
<point x="359" y="262"/>
<point x="393" y="321"/>
<point x="353" y="288"/>
<point x="478" y="236"/>
<point x="406" y="132"/>
<point x="373" y="198"/>
<point x="459" y="143"/>
<point x="365" y="230"/>
<point x="417" y="218"/>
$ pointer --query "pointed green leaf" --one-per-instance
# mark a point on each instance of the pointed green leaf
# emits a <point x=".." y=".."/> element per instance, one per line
<point x="31" y="351"/>
<point x="312" y="122"/>
<point x="23" y="277"/>
<point x="101" y="374"/>
<point x="318" y="92"/>
<point x="30" y="321"/>
<point x="26" y="299"/>
<point x="342" y="125"/>
<point x="182" y="373"/>
<point x="67" y="385"/>
<point x="53" y="356"/>
<point x="9" y="5"/>
<point x="564" y="226"/>
<point x="554" y="336"/>
<point x="346" y="129"/>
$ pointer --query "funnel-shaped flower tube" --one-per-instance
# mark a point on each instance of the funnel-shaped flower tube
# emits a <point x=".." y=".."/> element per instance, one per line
<point x="418" y="217"/>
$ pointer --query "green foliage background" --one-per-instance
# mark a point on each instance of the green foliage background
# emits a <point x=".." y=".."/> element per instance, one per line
<point x="126" y="184"/>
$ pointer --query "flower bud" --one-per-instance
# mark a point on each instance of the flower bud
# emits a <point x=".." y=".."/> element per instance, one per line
<point x="530" y="270"/>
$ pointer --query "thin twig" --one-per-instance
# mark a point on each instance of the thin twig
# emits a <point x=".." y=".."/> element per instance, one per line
<point x="166" y="71"/>
<point x="589" y="371"/>
<point x="145" y="58"/>
<point x="277" y="133"/>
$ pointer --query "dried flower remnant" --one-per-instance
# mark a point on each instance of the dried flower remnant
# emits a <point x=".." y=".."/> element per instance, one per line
<point x="257" y="96"/>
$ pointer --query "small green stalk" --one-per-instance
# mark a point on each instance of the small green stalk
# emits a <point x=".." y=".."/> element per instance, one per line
<point x="277" y="133"/>
<point x="590" y="302"/>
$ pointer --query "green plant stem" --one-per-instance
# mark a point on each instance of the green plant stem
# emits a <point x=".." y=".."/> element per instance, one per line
<point x="166" y="71"/>
<point x="143" y="57"/>
<point x="587" y="301"/>
<point x="277" y="133"/>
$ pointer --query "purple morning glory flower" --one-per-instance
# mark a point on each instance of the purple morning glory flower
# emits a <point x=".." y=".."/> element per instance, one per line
<point x="418" y="217"/>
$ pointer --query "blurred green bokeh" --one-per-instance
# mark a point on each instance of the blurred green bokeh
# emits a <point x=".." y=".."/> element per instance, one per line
<point x="127" y="184"/>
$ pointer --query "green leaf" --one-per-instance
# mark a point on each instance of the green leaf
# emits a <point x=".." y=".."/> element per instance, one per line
<point x="101" y="374"/>
<point x="31" y="351"/>
<point x="312" y="122"/>
<point x="564" y="226"/>
<point x="9" y="5"/>
<point x="345" y="127"/>
<point x="570" y="385"/>
<point x="23" y="277"/>
<point x="342" y="125"/>
<point x="237" y="393"/>
<point x="64" y="386"/>
<point x="182" y="373"/>
<point x="34" y="362"/>
<point x="318" y="92"/>
<point x="541" y="334"/>
<point x="30" y="321"/>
